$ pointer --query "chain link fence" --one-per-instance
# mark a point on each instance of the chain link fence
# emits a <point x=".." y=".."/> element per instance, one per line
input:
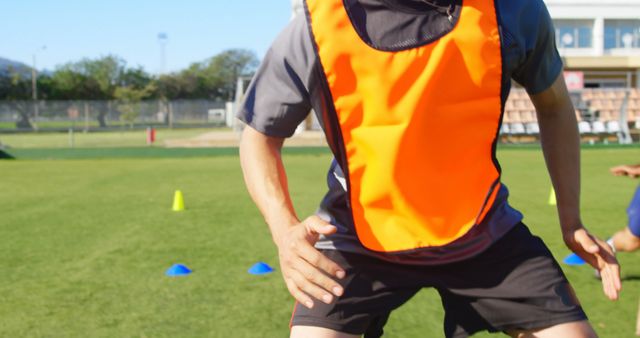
<point x="21" y="116"/>
<point x="603" y="115"/>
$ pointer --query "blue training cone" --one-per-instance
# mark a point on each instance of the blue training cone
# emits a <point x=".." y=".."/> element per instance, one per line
<point x="573" y="259"/>
<point x="178" y="270"/>
<point x="260" y="268"/>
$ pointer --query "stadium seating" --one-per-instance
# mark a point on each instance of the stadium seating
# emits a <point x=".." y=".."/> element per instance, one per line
<point x="584" y="127"/>
<point x="603" y="114"/>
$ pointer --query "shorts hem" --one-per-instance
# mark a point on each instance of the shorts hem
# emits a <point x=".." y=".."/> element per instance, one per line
<point x="326" y="325"/>
<point x="543" y="323"/>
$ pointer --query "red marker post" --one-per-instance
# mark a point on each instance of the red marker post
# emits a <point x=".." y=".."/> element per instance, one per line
<point x="151" y="136"/>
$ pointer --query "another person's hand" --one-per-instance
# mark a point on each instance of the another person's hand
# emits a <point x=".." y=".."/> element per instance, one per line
<point x="306" y="271"/>
<point x="598" y="254"/>
<point x="632" y="171"/>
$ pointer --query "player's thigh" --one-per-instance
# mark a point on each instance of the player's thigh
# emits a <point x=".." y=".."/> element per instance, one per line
<point x="581" y="329"/>
<point x="372" y="290"/>
<point x="318" y="332"/>
<point x="514" y="285"/>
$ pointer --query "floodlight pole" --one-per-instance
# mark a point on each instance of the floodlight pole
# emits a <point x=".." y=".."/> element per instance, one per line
<point x="162" y="40"/>
<point x="34" y="88"/>
<point x="34" y="92"/>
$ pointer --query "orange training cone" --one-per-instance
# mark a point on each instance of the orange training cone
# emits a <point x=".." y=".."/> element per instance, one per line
<point x="178" y="201"/>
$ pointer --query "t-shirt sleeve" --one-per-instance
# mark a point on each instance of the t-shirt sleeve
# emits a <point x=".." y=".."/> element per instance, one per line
<point x="542" y="63"/>
<point x="277" y="99"/>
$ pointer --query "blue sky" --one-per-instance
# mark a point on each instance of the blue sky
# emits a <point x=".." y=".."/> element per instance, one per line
<point x="196" y="29"/>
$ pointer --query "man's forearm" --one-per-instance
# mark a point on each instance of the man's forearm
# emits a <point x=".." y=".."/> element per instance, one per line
<point x="266" y="180"/>
<point x="561" y="147"/>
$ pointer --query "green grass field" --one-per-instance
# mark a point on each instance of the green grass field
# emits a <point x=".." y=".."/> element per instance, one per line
<point x="124" y="138"/>
<point x="85" y="244"/>
<point x="94" y="125"/>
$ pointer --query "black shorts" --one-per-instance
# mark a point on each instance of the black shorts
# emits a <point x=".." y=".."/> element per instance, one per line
<point x="516" y="284"/>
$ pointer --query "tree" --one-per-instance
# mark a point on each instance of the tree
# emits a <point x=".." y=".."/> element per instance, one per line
<point x="106" y="71"/>
<point x="187" y="84"/>
<point x="69" y="84"/>
<point x="135" y="77"/>
<point x="227" y="66"/>
<point x="214" y="78"/>
<point x="109" y="78"/>
<point x="9" y="89"/>
<point x="129" y="98"/>
<point x="96" y="79"/>
<point x="15" y="89"/>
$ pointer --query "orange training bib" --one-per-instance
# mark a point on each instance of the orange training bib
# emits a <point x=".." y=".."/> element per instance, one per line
<point x="418" y="126"/>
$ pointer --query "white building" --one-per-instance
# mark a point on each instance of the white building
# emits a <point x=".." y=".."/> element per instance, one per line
<point x="600" y="38"/>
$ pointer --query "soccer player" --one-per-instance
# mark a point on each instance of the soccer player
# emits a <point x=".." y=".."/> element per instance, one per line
<point x="410" y="95"/>
<point x="628" y="239"/>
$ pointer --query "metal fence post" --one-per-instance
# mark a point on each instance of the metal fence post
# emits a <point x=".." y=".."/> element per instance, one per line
<point x="86" y="116"/>
<point x="71" y="138"/>
<point x="170" y="114"/>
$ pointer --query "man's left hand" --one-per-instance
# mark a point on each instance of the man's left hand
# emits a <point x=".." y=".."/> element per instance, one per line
<point x="600" y="255"/>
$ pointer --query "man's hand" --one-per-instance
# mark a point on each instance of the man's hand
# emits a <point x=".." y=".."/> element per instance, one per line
<point x="632" y="171"/>
<point x="600" y="255"/>
<point x="306" y="271"/>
